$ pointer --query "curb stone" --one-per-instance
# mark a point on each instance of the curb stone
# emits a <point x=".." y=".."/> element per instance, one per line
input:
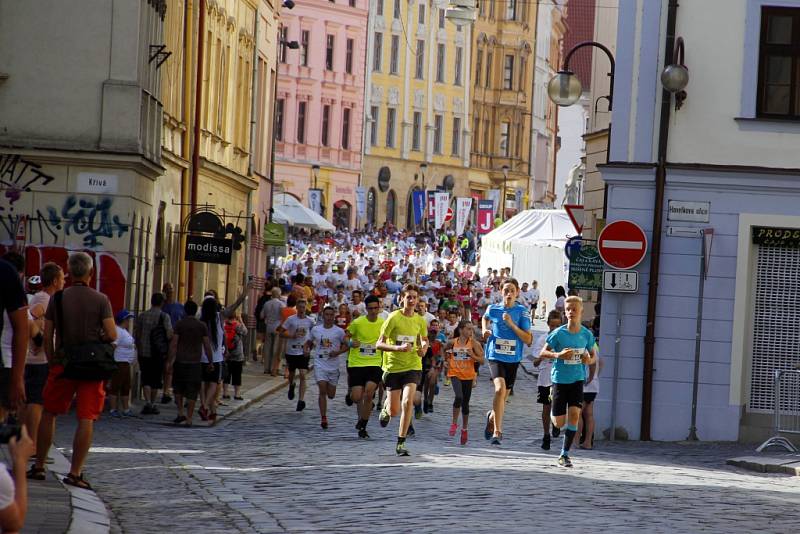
<point x="789" y="465"/>
<point x="88" y="514"/>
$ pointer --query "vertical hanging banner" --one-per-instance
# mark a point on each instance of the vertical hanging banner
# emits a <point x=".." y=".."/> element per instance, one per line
<point x="485" y="216"/>
<point x="462" y="213"/>
<point x="442" y="200"/>
<point x="315" y="200"/>
<point x="418" y="200"/>
<point x="361" y="203"/>
<point x="518" y="199"/>
<point x="494" y="196"/>
<point x="431" y="205"/>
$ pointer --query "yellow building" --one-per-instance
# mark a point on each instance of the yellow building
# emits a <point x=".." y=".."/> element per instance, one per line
<point x="416" y="132"/>
<point x="503" y="63"/>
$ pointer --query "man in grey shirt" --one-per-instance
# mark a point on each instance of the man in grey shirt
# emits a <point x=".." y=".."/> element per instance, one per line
<point x="271" y="314"/>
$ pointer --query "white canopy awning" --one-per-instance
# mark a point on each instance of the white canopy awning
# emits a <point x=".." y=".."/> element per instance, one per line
<point x="290" y="211"/>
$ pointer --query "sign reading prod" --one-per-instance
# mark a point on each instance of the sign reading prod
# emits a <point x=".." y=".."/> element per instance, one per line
<point x="204" y="249"/>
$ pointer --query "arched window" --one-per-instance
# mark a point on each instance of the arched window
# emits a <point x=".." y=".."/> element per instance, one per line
<point x="371" y="204"/>
<point x="391" y="207"/>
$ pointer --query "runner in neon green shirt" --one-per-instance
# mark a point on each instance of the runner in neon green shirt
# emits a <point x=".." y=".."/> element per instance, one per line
<point x="364" y="361"/>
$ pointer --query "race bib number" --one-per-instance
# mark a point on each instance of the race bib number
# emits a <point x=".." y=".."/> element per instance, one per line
<point x="507" y="347"/>
<point x="296" y="346"/>
<point x="406" y="339"/>
<point x="576" y="357"/>
<point x="461" y="354"/>
<point x="368" y="350"/>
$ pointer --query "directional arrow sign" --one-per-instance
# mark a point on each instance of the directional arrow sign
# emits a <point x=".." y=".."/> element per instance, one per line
<point x="622" y="244"/>
<point x="621" y="281"/>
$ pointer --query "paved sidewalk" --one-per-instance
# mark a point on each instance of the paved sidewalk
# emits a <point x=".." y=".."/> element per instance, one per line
<point x="784" y="463"/>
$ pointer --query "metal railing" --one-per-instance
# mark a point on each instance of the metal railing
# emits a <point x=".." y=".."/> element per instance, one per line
<point x="786" y="384"/>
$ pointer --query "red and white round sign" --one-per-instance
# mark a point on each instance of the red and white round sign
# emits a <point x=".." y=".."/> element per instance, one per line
<point x="449" y="215"/>
<point x="622" y="244"/>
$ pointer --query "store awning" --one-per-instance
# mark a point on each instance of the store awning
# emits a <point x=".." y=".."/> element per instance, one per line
<point x="290" y="211"/>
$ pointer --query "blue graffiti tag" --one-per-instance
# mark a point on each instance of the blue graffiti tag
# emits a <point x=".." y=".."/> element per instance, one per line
<point x="90" y="219"/>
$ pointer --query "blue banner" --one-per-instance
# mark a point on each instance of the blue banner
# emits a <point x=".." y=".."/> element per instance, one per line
<point x="418" y="198"/>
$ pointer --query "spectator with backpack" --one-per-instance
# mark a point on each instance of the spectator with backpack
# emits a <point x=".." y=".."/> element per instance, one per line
<point x="152" y="331"/>
<point x="235" y="332"/>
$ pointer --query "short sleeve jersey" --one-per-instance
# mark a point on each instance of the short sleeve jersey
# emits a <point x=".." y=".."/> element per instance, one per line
<point x="326" y="341"/>
<point x="294" y="325"/>
<point x="12" y="298"/>
<point x="399" y="329"/>
<point x="567" y="372"/>
<point x="367" y="334"/>
<point x="504" y="345"/>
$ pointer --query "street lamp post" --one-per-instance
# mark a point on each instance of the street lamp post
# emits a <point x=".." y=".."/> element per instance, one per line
<point x="505" y="169"/>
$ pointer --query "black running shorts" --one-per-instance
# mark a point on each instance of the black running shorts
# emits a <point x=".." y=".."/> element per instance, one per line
<point x="565" y="395"/>
<point x="400" y="380"/>
<point x="506" y="371"/>
<point x="357" y="377"/>
<point x="544" y="395"/>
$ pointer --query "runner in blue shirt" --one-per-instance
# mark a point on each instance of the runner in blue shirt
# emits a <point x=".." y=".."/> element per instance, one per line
<point x="570" y="346"/>
<point x="506" y="327"/>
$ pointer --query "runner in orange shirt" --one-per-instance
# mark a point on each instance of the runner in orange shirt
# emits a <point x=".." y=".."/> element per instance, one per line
<point x="463" y="351"/>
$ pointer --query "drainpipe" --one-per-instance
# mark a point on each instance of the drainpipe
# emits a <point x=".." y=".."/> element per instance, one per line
<point x="531" y="140"/>
<point x="188" y="10"/>
<point x="250" y="163"/>
<point x="655" y="254"/>
<point x="198" y="99"/>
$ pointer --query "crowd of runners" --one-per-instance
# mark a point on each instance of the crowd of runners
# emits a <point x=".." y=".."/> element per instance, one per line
<point x="402" y="314"/>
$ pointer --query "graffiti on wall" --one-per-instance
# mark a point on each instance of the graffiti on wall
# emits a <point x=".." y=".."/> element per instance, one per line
<point x="18" y="175"/>
<point x="88" y="218"/>
<point x="108" y="276"/>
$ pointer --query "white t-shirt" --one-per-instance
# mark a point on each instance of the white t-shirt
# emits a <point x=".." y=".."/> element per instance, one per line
<point x="124" y="346"/>
<point x="539" y="341"/>
<point x="293" y="325"/>
<point x="594" y="385"/>
<point x="361" y="308"/>
<point x="6" y="487"/>
<point x="325" y="341"/>
<point x="534" y="296"/>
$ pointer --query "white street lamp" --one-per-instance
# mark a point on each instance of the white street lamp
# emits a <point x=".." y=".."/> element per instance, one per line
<point x="564" y="89"/>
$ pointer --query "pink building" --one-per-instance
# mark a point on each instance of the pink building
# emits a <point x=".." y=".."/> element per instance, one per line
<point x="320" y="103"/>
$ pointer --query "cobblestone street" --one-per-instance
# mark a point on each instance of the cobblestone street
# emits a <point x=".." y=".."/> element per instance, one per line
<point x="271" y="469"/>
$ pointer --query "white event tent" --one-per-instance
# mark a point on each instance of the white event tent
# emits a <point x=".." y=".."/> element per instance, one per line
<point x="289" y="210"/>
<point x="532" y="244"/>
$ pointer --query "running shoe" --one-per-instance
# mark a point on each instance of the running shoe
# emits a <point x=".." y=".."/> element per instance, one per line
<point x="324" y="423"/>
<point x="401" y="450"/>
<point x="347" y="400"/>
<point x="146" y="410"/>
<point x="203" y="413"/>
<point x="496" y="441"/>
<point x="166" y="399"/>
<point x="385" y="417"/>
<point x="489" y="430"/>
<point x="114" y="413"/>
<point x="453" y="429"/>
<point x="291" y="391"/>
<point x="178" y="420"/>
<point x="447" y="381"/>
<point x="154" y="410"/>
<point x="463" y="436"/>
<point x="362" y="433"/>
<point x="300" y="406"/>
<point x="546" y="442"/>
<point x="425" y="407"/>
<point x="411" y="432"/>
<point x="430" y="408"/>
<point x="127" y="413"/>
<point x="417" y="412"/>
<point x="556" y="431"/>
<point x="564" y="461"/>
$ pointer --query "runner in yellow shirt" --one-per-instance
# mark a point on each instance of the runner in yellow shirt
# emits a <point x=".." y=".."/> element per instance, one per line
<point x="364" y="361"/>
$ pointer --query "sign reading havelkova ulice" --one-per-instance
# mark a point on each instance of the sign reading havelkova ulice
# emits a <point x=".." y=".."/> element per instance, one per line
<point x="204" y="249"/>
<point x="688" y="211"/>
<point x="776" y="237"/>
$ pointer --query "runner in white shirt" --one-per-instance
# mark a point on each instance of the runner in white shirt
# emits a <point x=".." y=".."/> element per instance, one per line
<point x="326" y="343"/>
<point x="296" y="330"/>
<point x="535" y="295"/>
<point x="590" y="391"/>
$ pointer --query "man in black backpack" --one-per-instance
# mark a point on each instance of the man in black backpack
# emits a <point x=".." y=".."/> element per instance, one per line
<point x="152" y="331"/>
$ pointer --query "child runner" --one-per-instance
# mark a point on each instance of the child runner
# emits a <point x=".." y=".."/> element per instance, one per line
<point x="296" y="330"/>
<point x="364" y="361"/>
<point x="570" y="346"/>
<point x="506" y="327"/>
<point x="590" y="390"/>
<point x="462" y="353"/>
<point x="327" y="343"/>
<point x="404" y="340"/>
<point x="544" y="381"/>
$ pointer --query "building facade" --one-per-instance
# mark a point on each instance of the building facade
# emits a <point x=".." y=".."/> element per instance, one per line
<point x="727" y="165"/>
<point x="320" y="104"/>
<point x="80" y="148"/>
<point x="416" y="132"/>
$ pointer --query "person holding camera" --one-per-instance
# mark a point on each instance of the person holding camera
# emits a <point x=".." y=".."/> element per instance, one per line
<point x="14" y="485"/>
<point x="79" y="316"/>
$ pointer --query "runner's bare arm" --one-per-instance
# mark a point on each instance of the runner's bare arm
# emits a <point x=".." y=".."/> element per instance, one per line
<point x="549" y="354"/>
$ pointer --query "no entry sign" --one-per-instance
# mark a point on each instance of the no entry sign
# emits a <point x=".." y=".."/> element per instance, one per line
<point x="622" y="244"/>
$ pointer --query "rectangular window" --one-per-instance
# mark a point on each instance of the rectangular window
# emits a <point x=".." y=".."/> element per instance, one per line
<point x="440" y="66"/>
<point x="390" y="118"/>
<point x="508" y="73"/>
<point x="373" y="127"/>
<point x="397" y="9"/>
<point x="486" y="129"/>
<point x="459" y="62"/>
<point x="437" y="134"/>
<point x="279" y="107"/>
<point x="377" y="52"/>
<point x="441" y="19"/>
<point x="346" y="129"/>
<point x="284" y="40"/>
<point x="326" y="124"/>
<point x="479" y="67"/>
<point x="301" y="122"/>
<point x="416" y="131"/>
<point x="491" y="10"/>
<point x="476" y="130"/>
<point x="456" y="136"/>
<point x="379" y="9"/>
<point x="511" y="9"/>
<point x="348" y="58"/>
<point x="779" y="63"/>
<point x="304" y="37"/>
<point x="489" y="69"/>
<point x="352" y="3"/>
<point x="523" y="67"/>
<point x="329" y="52"/>
<point x="504" y="132"/>
<point x="394" y="57"/>
<point x="419" y="71"/>
<point x="421" y="19"/>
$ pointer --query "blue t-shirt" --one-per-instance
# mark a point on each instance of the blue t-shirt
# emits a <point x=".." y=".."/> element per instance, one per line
<point x="567" y="372"/>
<point x="504" y="345"/>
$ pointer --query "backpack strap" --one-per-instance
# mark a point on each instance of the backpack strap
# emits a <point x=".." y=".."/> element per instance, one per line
<point x="58" y="299"/>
